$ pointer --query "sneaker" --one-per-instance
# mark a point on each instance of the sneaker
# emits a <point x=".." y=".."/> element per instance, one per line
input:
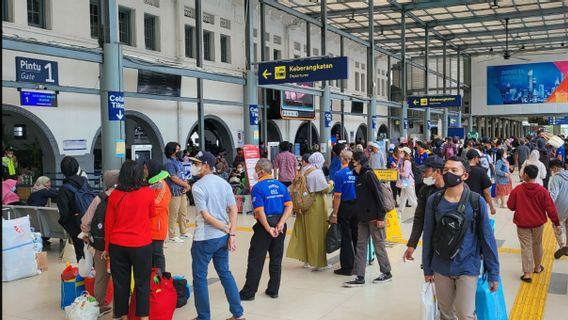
<point x="186" y="235"/>
<point x="306" y="265"/>
<point x="104" y="310"/>
<point x="385" y="277"/>
<point x="175" y="240"/>
<point x="342" y="272"/>
<point x="358" y="282"/>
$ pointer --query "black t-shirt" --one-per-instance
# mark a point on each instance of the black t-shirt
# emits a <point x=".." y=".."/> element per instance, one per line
<point x="478" y="180"/>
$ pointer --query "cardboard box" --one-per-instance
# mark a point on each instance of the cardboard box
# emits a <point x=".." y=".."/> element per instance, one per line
<point x="41" y="259"/>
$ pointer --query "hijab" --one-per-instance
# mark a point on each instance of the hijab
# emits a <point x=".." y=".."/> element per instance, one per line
<point x="41" y="183"/>
<point x="534" y="157"/>
<point x="9" y="196"/>
<point x="316" y="160"/>
<point x="316" y="179"/>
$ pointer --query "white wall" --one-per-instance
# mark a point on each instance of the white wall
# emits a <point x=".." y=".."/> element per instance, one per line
<point x="479" y="86"/>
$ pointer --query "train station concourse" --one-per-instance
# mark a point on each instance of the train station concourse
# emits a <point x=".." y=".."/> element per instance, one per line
<point x="213" y="155"/>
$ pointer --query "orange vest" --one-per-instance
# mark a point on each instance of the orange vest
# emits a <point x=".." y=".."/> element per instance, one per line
<point x="159" y="222"/>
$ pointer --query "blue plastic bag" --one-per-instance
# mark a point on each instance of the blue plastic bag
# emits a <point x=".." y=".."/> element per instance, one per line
<point x="489" y="305"/>
<point x="71" y="289"/>
<point x="371" y="252"/>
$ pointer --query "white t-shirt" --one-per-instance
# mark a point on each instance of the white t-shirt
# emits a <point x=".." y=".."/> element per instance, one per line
<point x="214" y="194"/>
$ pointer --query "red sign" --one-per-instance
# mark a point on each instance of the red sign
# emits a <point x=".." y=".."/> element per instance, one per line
<point x="251" y="155"/>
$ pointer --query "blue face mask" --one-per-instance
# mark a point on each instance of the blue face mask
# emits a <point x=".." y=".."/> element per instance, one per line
<point x="13" y="189"/>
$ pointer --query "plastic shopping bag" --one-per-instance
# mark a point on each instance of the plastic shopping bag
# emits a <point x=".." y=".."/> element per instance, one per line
<point x="86" y="263"/>
<point x="489" y="305"/>
<point x="333" y="238"/>
<point x="85" y="307"/>
<point x="18" y="252"/>
<point x="429" y="305"/>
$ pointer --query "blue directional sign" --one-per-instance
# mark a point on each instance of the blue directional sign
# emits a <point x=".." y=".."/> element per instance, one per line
<point x="374" y="122"/>
<point x="116" y="106"/>
<point x="38" y="98"/>
<point x="327" y="119"/>
<point x="302" y="70"/>
<point x="453" y="121"/>
<point x="557" y="120"/>
<point x="444" y="101"/>
<point x="253" y="114"/>
<point x="36" y="71"/>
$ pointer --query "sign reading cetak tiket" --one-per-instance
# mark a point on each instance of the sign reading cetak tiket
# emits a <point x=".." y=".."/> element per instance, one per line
<point x="386" y="174"/>
<point x="444" y="101"/>
<point x="302" y="70"/>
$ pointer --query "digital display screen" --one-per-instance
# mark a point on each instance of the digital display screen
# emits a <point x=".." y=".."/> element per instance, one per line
<point x="150" y="82"/>
<point x="38" y="98"/>
<point x="296" y="104"/>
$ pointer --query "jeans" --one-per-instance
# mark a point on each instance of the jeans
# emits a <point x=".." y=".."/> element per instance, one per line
<point x="201" y="253"/>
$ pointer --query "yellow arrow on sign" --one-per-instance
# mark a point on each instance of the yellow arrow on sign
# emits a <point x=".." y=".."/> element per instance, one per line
<point x="265" y="74"/>
<point x="415" y="101"/>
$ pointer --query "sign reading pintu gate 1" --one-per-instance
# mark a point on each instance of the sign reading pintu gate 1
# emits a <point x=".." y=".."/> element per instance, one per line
<point x="444" y="101"/>
<point x="302" y="70"/>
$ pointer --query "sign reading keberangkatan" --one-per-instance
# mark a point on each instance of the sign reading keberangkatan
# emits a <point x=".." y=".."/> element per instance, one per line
<point x="302" y="70"/>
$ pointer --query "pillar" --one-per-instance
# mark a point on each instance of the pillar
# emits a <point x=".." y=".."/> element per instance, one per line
<point x="325" y="105"/>
<point x="404" y="111"/>
<point x="427" y="113"/>
<point x="251" y="86"/>
<point x="371" y="79"/>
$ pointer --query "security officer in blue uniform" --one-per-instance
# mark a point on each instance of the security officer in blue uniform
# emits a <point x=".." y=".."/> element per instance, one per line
<point x="343" y="200"/>
<point x="272" y="207"/>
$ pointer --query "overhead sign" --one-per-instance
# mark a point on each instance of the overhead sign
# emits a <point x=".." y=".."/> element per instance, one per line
<point x="116" y="106"/>
<point x="302" y="70"/>
<point x="444" y="101"/>
<point x="38" y="98"/>
<point x="557" y="120"/>
<point x="453" y="121"/>
<point x="36" y="71"/>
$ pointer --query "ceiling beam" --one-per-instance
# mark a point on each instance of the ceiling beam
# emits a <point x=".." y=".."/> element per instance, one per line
<point x="485" y="33"/>
<point x="472" y="19"/>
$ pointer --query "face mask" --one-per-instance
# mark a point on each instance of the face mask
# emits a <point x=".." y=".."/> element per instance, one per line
<point x="13" y="189"/>
<point x="452" y="180"/>
<point x="179" y="155"/>
<point x="429" y="181"/>
<point x="194" y="170"/>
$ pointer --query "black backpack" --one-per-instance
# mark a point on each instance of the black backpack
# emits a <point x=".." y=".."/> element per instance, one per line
<point x="98" y="223"/>
<point x="450" y="228"/>
<point x="417" y="172"/>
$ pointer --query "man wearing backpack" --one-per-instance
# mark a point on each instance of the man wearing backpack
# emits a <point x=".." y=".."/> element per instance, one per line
<point x="456" y="234"/>
<point x="73" y="199"/>
<point x="92" y="224"/>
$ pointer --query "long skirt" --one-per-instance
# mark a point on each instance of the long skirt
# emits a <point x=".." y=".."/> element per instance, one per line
<point x="307" y="243"/>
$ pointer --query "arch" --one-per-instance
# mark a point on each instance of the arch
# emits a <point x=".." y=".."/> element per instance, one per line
<point x="383" y="132"/>
<point x="274" y="134"/>
<point x="335" y="130"/>
<point x="48" y="144"/>
<point x="302" y="136"/>
<point x="149" y="127"/>
<point x="223" y="134"/>
<point x="361" y="134"/>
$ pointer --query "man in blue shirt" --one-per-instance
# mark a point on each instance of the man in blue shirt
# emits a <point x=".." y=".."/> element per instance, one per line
<point x="561" y="153"/>
<point x="178" y="187"/>
<point x="456" y="278"/>
<point x="343" y="200"/>
<point x="272" y="207"/>
<point x="421" y="153"/>
<point x="335" y="161"/>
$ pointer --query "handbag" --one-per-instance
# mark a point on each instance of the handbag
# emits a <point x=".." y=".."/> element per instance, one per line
<point x="86" y="263"/>
<point x="85" y="307"/>
<point x="72" y="285"/>
<point x="429" y="304"/>
<point x="333" y="238"/>
<point x="163" y="298"/>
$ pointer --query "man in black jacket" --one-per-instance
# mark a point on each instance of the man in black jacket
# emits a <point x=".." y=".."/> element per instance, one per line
<point x="69" y="216"/>
<point x="371" y="216"/>
<point x="433" y="181"/>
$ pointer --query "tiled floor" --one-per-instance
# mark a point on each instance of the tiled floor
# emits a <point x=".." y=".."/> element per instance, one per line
<point x="304" y="294"/>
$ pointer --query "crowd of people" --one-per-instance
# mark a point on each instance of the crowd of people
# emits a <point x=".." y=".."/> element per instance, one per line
<point x="455" y="187"/>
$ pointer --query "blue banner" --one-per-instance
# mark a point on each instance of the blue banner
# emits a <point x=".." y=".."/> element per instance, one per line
<point x="38" y="99"/>
<point x="327" y="119"/>
<point x="302" y="70"/>
<point x="405" y="123"/>
<point x="374" y="122"/>
<point x="453" y="121"/>
<point x="116" y="106"/>
<point x="36" y="71"/>
<point x="445" y="101"/>
<point x="253" y="114"/>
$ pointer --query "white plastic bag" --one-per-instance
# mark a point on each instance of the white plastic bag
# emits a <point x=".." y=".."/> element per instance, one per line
<point x="86" y="263"/>
<point x="18" y="254"/>
<point x="84" y="307"/>
<point x="429" y="305"/>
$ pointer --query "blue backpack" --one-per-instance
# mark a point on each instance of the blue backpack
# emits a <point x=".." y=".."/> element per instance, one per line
<point x="83" y="196"/>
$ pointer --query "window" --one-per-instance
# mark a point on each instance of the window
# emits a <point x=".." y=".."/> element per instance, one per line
<point x="20" y="131"/>
<point x="315" y="52"/>
<point x="266" y="54"/>
<point x="225" y="48"/>
<point x="150" y="32"/>
<point x="6" y="10"/>
<point x="125" y="25"/>
<point x="277" y="54"/>
<point x="36" y="13"/>
<point x="363" y="88"/>
<point x="357" y="81"/>
<point x="190" y="41"/>
<point x="94" y="6"/>
<point x="208" y="45"/>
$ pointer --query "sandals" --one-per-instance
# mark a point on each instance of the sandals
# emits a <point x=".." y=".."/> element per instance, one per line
<point x="527" y="280"/>
<point x="541" y="269"/>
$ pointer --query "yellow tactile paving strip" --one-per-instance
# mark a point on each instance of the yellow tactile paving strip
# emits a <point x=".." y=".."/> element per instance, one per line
<point x="531" y="299"/>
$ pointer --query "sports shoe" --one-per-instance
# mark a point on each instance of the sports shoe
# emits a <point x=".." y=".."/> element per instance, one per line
<point x="385" y="277"/>
<point x="175" y="240"/>
<point x="358" y="282"/>
<point x="186" y="235"/>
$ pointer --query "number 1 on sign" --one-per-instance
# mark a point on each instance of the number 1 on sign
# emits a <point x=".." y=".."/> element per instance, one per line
<point x="49" y="73"/>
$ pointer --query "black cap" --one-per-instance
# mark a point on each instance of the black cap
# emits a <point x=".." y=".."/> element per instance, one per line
<point x="205" y="157"/>
<point x="434" y="162"/>
<point x="486" y="140"/>
<point x="472" y="154"/>
<point x="9" y="148"/>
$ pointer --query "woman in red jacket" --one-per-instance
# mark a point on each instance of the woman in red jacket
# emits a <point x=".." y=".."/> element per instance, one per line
<point x="162" y="196"/>
<point x="128" y="239"/>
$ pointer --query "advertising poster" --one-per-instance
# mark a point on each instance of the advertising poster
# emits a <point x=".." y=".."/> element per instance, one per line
<point x="531" y="83"/>
<point x="297" y="105"/>
<point x="251" y="155"/>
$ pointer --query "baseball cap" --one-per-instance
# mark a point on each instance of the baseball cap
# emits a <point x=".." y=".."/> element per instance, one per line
<point x="472" y="154"/>
<point x="434" y="162"/>
<point x="204" y="157"/>
<point x="406" y="149"/>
